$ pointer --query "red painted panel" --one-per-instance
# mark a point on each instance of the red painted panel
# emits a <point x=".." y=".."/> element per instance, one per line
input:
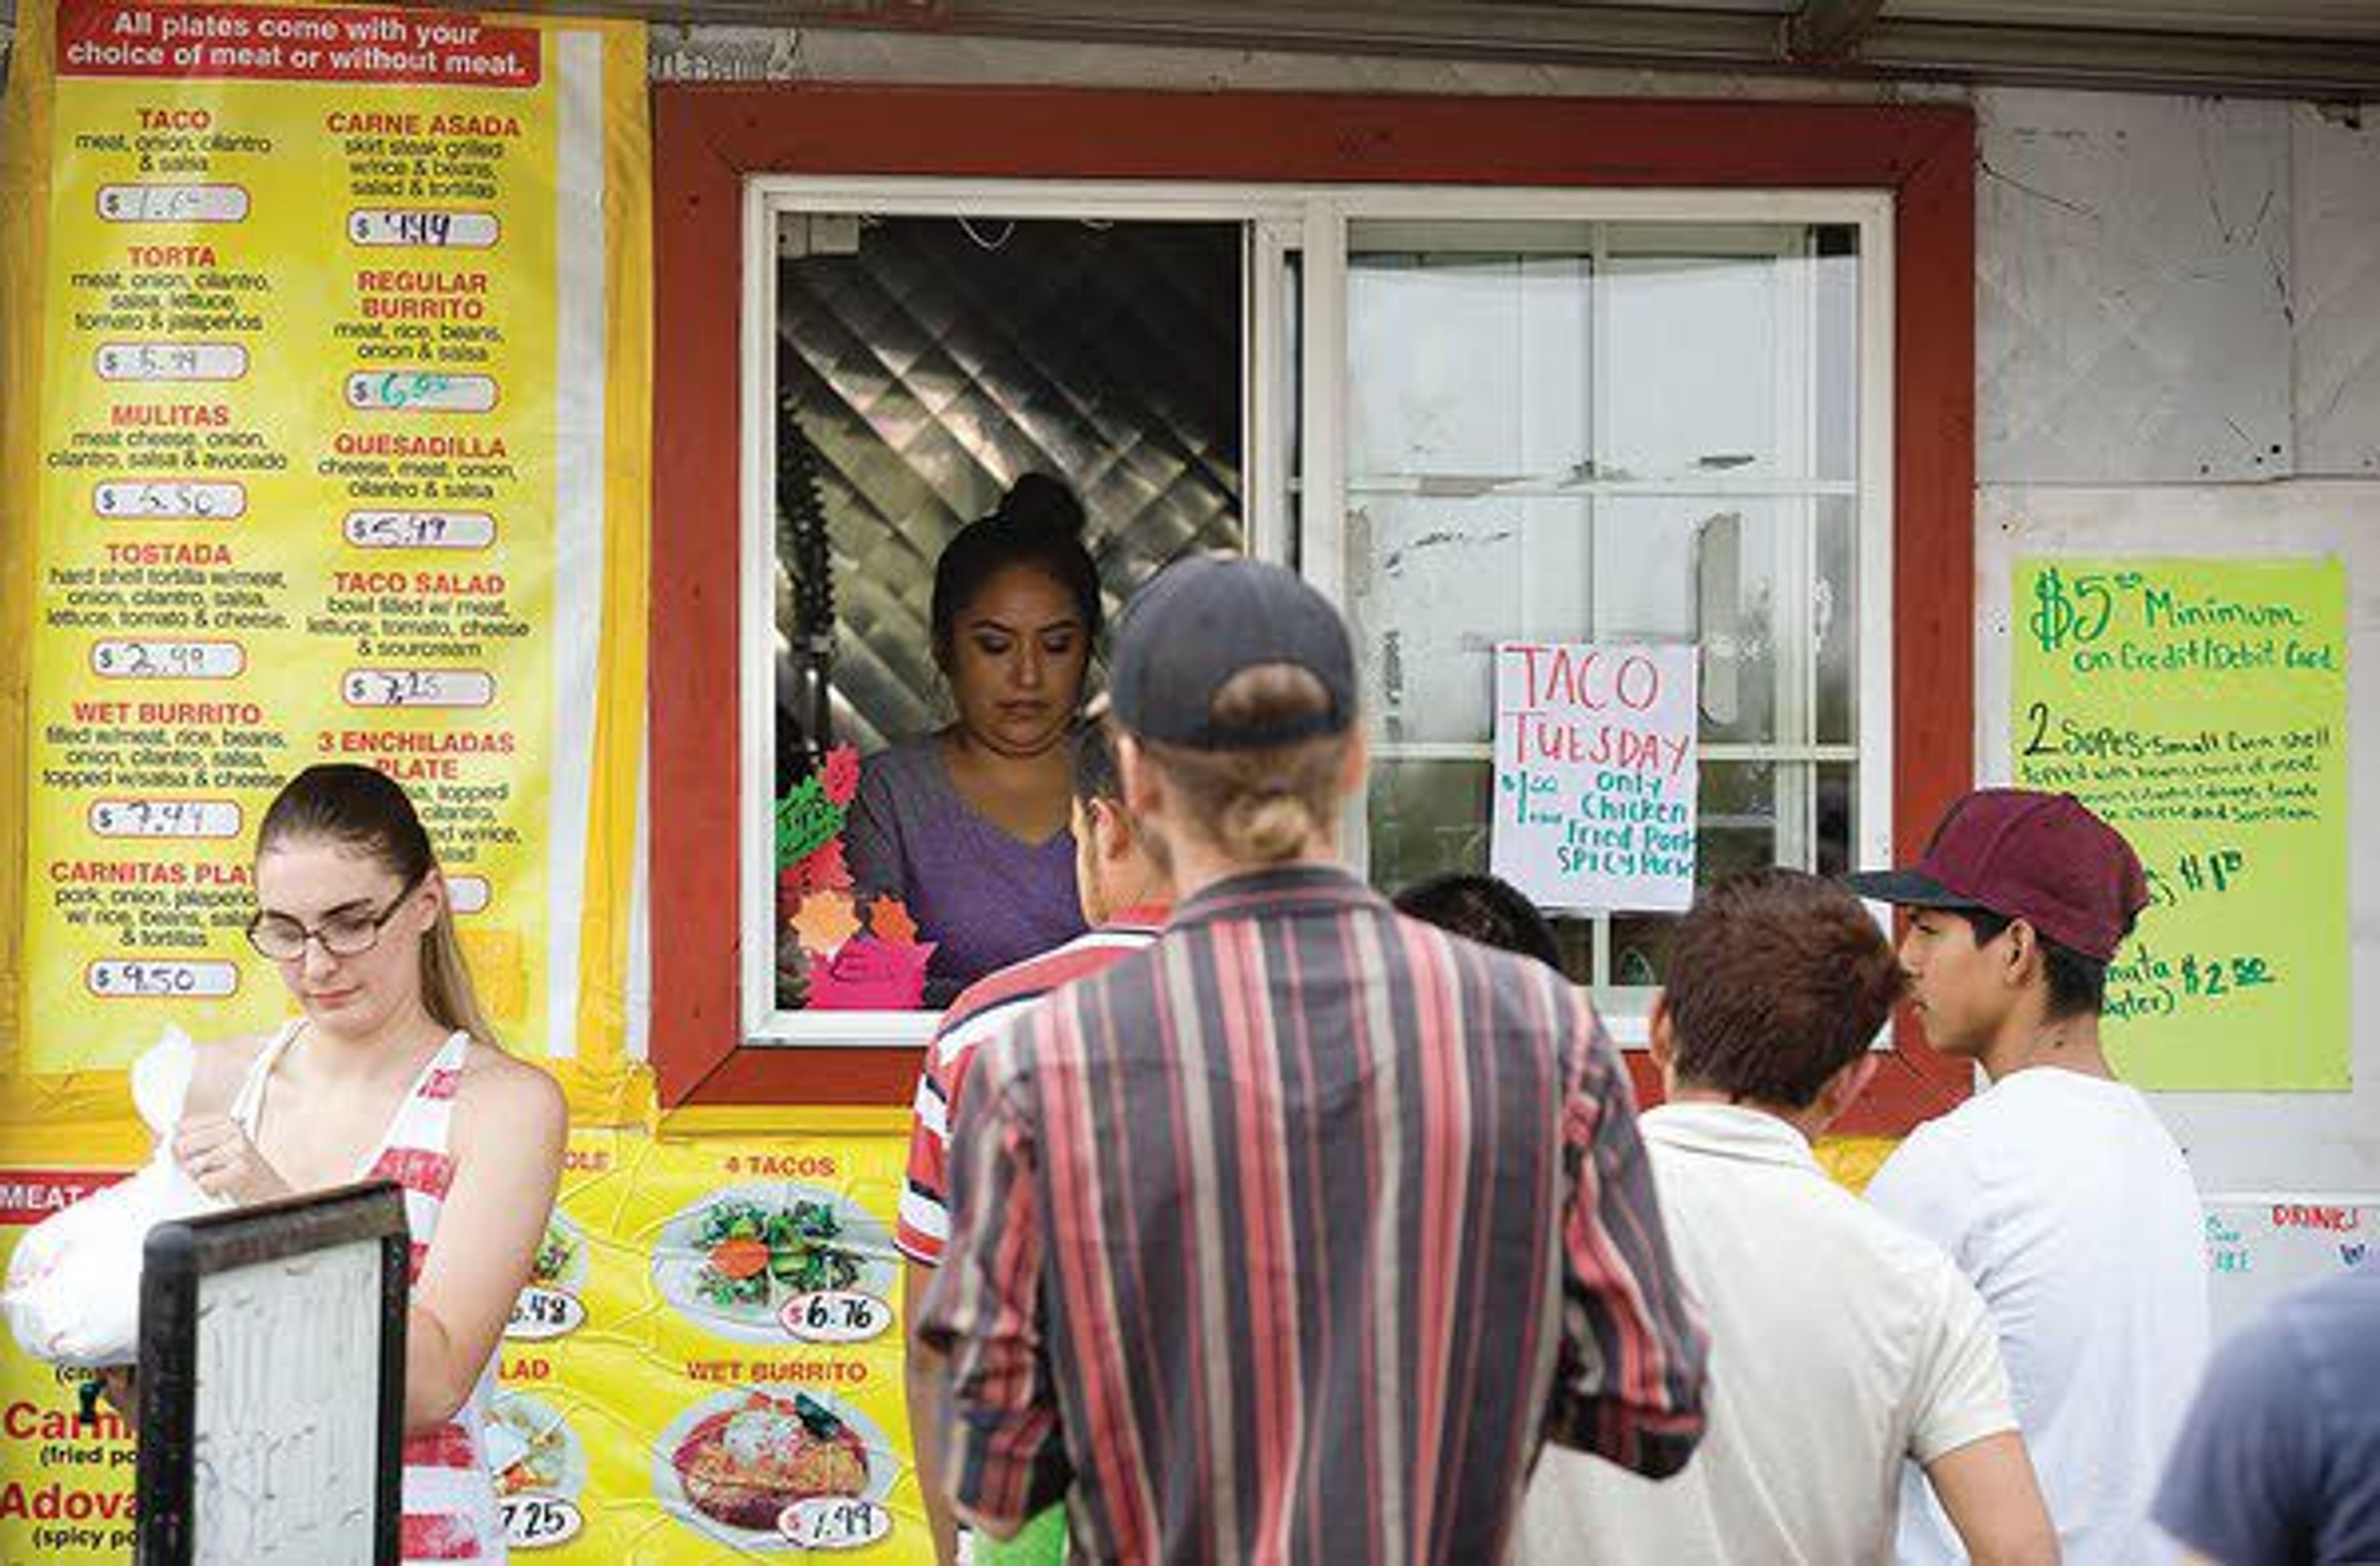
<point x="708" y="138"/>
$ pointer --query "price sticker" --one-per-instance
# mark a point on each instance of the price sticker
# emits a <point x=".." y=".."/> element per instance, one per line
<point x="172" y="203"/>
<point x="129" y="978"/>
<point x="539" y="1521"/>
<point x="416" y="229"/>
<point x="417" y="687"/>
<point x="542" y="1313"/>
<point x="170" y="361"/>
<point x="833" y="1523"/>
<point x="165" y="818"/>
<point x="168" y="660"/>
<point x="835" y="1315"/>
<point x="419" y="391"/>
<point x="418" y="529"/>
<point x="189" y="500"/>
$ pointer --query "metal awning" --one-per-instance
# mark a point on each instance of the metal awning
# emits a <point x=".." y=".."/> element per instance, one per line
<point x="2321" y="48"/>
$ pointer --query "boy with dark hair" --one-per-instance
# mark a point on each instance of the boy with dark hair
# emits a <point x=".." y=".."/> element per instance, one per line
<point x="1125" y="899"/>
<point x="2055" y="1188"/>
<point x="1487" y="909"/>
<point x="1840" y="1345"/>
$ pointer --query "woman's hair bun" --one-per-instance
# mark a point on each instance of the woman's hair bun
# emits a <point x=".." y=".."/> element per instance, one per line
<point x="1038" y="500"/>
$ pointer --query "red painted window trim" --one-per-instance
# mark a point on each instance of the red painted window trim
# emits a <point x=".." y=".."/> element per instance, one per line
<point x="708" y="138"/>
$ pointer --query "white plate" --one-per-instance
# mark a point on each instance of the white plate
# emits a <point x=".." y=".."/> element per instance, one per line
<point x="883" y="1463"/>
<point x="528" y="1409"/>
<point x="678" y="1260"/>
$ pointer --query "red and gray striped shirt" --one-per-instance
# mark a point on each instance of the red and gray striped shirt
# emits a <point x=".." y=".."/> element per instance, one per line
<point x="983" y="1009"/>
<point x="1291" y="1237"/>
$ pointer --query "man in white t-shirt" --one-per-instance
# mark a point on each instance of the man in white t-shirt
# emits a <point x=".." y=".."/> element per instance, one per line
<point x="2055" y="1188"/>
<point x="1841" y="1345"/>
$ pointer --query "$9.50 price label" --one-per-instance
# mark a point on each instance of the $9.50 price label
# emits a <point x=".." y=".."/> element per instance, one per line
<point x="132" y="979"/>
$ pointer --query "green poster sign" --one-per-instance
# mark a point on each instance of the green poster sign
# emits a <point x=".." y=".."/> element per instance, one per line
<point x="2200" y="706"/>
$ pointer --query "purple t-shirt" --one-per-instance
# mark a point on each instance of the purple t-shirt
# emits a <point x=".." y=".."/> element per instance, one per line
<point x="985" y="898"/>
<point x="2279" y="1459"/>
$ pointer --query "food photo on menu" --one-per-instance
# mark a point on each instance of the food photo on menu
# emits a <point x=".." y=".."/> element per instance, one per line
<point x="739" y="1464"/>
<point x="734" y="1262"/>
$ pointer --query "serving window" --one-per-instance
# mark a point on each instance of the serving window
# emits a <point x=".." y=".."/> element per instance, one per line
<point x="1472" y="414"/>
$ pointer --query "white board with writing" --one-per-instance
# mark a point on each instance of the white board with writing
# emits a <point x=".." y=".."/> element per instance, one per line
<point x="284" y="1441"/>
<point x="1595" y="768"/>
<point x="2259" y="1248"/>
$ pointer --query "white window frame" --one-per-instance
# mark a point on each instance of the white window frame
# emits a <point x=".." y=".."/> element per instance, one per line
<point x="1310" y="525"/>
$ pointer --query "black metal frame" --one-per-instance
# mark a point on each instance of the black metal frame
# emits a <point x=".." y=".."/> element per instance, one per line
<point x="176" y="1258"/>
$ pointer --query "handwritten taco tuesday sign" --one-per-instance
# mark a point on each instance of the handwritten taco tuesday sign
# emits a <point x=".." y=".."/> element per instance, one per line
<point x="1595" y="775"/>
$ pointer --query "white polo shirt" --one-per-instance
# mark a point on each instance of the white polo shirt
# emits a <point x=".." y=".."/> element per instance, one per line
<point x="1841" y="1345"/>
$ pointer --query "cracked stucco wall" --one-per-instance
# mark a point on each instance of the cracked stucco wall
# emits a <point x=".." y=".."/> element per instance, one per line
<point x="2178" y="352"/>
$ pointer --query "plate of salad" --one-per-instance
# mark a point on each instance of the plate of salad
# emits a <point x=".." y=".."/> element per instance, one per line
<point x="731" y="1260"/>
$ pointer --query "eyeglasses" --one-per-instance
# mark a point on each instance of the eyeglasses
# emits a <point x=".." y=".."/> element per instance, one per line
<point x="348" y="933"/>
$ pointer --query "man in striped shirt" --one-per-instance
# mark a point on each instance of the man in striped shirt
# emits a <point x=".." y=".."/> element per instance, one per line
<point x="1292" y="1236"/>
<point x="1125" y="897"/>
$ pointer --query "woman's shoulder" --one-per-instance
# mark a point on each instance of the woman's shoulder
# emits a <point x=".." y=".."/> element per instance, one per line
<point x="495" y="1089"/>
<point x="218" y="1066"/>
<point x="904" y="769"/>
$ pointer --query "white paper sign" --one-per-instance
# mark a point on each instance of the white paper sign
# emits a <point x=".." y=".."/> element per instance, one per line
<point x="2260" y="1248"/>
<point x="1596" y="763"/>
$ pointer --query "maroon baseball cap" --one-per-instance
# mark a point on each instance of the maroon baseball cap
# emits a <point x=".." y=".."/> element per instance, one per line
<point x="2041" y="857"/>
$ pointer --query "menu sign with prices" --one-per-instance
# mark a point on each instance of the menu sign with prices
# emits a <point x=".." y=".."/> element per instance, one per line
<point x="2200" y="706"/>
<point x="320" y="474"/>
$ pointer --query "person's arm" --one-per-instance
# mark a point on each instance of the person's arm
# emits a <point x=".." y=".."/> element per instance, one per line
<point x="212" y="1150"/>
<point x="924" y="1371"/>
<point x="2241" y="1481"/>
<point x="506" y="1141"/>
<point x="919" y="1234"/>
<point x="1005" y="1454"/>
<point x="1988" y="1489"/>
<point x="1629" y="1379"/>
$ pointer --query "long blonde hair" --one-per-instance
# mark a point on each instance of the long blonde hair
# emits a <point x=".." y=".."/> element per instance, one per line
<point x="362" y="808"/>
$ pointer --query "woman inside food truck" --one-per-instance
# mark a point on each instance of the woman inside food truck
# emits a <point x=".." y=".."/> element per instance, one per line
<point x="968" y="826"/>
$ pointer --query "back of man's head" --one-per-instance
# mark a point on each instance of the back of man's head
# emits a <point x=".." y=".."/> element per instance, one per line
<point x="1487" y="909"/>
<point x="1237" y="681"/>
<point x="1097" y="779"/>
<point x="1777" y="981"/>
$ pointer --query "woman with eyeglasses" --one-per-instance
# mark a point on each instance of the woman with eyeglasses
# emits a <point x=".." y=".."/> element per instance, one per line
<point x="389" y="1071"/>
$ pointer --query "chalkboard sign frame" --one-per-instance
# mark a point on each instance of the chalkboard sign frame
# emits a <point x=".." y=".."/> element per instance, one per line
<point x="176" y="1257"/>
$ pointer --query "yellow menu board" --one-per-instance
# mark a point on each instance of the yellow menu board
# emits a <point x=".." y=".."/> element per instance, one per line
<point x="324" y="458"/>
<point x="66" y="1486"/>
<point x="706" y="1365"/>
<point x="2200" y="706"/>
